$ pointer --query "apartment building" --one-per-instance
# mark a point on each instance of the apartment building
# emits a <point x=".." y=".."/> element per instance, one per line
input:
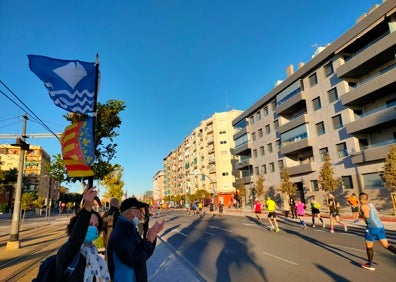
<point x="342" y="103"/>
<point x="158" y="186"/>
<point x="204" y="160"/>
<point x="35" y="177"/>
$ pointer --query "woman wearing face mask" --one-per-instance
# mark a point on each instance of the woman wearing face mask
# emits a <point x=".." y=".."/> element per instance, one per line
<point x="83" y="229"/>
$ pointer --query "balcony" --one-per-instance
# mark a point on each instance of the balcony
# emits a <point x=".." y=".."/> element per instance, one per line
<point x="370" y="58"/>
<point x="378" y="120"/>
<point x="301" y="169"/>
<point x="242" y="165"/>
<point x="379" y="86"/>
<point x="292" y="105"/>
<point x="210" y="140"/>
<point x="301" y="119"/>
<point x="242" y="149"/>
<point x="297" y="146"/>
<point x="370" y="155"/>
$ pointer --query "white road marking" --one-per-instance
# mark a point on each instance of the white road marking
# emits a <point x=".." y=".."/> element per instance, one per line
<point x="211" y="226"/>
<point x="282" y="259"/>
<point x="178" y="231"/>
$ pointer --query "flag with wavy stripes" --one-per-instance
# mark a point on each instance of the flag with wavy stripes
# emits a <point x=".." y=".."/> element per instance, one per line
<point x="70" y="83"/>
<point x="78" y="148"/>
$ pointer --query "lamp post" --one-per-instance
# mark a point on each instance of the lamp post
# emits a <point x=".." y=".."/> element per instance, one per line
<point x="14" y="243"/>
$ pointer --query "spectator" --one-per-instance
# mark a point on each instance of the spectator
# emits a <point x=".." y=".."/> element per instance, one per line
<point x="127" y="251"/>
<point x="83" y="229"/>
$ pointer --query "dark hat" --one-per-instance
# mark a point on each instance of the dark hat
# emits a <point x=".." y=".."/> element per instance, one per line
<point x="132" y="203"/>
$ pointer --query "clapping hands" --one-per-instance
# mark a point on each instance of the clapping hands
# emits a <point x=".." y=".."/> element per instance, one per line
<point x="155" y="230"/>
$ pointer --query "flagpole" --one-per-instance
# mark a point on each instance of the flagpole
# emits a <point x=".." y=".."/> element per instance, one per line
<point x="91" y="178"/>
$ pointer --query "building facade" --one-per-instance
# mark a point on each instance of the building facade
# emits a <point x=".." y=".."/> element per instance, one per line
<point x="158" y="186"/>
<point x="342" y="103"/>
<point x="35" y="178"/>
<point x="204" y="160"/>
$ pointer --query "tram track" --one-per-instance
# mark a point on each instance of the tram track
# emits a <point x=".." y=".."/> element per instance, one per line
<point x="34" y="250"/>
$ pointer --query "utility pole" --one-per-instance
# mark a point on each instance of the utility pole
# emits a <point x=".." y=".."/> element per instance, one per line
<point x="14" y="243"/>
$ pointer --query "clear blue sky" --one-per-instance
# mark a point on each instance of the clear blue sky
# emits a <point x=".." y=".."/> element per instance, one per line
<point x="174" y="62"/>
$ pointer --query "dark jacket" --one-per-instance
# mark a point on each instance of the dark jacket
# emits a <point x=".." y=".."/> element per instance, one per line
<point x="126" y="243"/>
<point x="67" y="252"/>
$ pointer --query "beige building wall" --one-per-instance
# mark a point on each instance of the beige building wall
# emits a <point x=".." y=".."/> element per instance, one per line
<point x="36" y="159"/>
<point x="204" y="160"/>
<point x="342" y="102"/>
<point x="158" y="186"/>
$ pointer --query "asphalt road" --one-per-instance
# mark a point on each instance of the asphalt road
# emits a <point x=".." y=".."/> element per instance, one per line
<point x="238" y="248"/>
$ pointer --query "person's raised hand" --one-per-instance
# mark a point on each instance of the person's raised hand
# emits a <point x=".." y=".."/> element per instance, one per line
<point x="89" y="195"/>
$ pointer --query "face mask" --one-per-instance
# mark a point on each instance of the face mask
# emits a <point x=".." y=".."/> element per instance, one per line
<point x="92" y="234"/>
<point x="135" y="221"/>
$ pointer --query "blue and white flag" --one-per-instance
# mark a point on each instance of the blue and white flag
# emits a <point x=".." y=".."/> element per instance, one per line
<point x="71" y="83"/>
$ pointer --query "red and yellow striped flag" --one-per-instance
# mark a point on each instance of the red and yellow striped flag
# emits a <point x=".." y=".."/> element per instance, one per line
<point x="78" y="148"/>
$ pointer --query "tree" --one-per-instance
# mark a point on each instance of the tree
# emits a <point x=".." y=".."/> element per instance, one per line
<point x="326" y="179"/>
<point x="241" y="189"/>
<point x="389" y="174"/>
<point x="286" y="185"/>
<point x="107" y="123"/>
<point x="260" y="186"/>
<point x="8" y="177"/>
<point x="113" y="183"/>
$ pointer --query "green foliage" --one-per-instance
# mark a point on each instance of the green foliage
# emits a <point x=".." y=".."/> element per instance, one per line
<point x="326" y="179"/>
<point x="389" y="174"/>
<point x="3" y="208"/>
<point x="241" y="188"/>
<point x="260" y="186"/>
<point x="286" y="185"/>
<point x="113" y="183"/>
<point x="28" y="199"/>
<point x="8" y="177"/>
<point x="107" y="123"/>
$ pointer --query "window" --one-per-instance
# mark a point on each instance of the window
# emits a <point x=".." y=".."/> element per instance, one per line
<point x="223" y="132"/>
<point x="251" y="120"/>
<point x="280" y="164"/>
<point x="314" y="185"/>
<point x="347" y="182"/>
<point x="342" y="150"/>
<point x="271" y="167"/>
<point x="323" y="152"/>
<point x="254" y="136"/>
<point x="260" y="133"/>
<point x="255" y="153"/>
<point x="266" y="112"/>
<point x="262" y="152"/>
<point x="316" y="104"/>
<point x="372" y="180"/>
<point x="256" y="170"/>
<point x="273" y="105"/>
<point x="278" y="145"/>
<point x="320" y="128"/>
<point x="267" y="129"/>
<point x="258" y="114"/>
<point x="276" y="124"/>
<point x="333" y="95"/>
<point x="269" y="147"/>
<point x="223" y="142"/>
<point x="328" y="69"/>
<point x="313" y="80"/>
<point x="264" y="169"/>
<point x="225" y="174"/>
<point x="337" y="121"/>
